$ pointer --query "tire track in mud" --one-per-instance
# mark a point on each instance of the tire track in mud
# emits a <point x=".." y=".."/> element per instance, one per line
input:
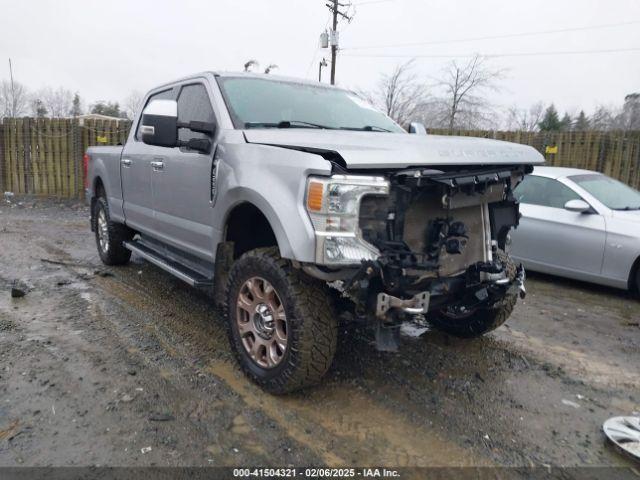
<point x="332" y="418"/>
<point x="598" y="370"/>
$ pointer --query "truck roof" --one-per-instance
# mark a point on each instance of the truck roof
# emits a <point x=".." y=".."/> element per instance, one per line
<point x="265" y="76"/>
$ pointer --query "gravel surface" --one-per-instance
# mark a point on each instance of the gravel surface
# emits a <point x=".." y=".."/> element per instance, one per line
<point x="129" y="366"/>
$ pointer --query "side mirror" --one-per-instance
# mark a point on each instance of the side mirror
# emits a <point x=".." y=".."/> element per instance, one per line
<point x="417" y="128"/>
<point x="578" y="206"/>
<point x="160" y="123"/>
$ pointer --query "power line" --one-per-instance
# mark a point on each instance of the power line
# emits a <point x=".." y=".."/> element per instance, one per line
<point x="357" y="4"/>
<point x="495" y="37"/>
<point x="494" y="55"/>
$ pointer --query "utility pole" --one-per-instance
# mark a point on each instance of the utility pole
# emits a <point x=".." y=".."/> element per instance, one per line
<point x="334" y="47"/>
<point x="334" y="7"/>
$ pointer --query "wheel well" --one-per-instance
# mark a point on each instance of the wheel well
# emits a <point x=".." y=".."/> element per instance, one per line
<point x="98" y="191"/>
<point x="633" y="276"/>
<point x="98" y="187"/>
<point x="248" y="228"/>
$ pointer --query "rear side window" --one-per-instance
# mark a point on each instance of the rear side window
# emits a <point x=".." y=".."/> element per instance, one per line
<point x="163" y="95"/>
<point x="546" y="192"/>
<point x="194" y="104"/>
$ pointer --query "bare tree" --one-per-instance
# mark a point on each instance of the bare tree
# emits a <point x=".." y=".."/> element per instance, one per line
<point x="464" y="86"/>
<point x="58" y="102"/>
<point x="524" y="120"/>
<point x="14" y="99"/>
<point x="604" y="118"/>
<point x="399" y="94"/>
<point x="132" y="103"/>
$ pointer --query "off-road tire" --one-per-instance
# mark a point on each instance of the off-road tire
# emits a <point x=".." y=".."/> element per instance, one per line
<point x="117" y="234"/>
<point x="483" y="320"/>
<point x="311" y="322"/>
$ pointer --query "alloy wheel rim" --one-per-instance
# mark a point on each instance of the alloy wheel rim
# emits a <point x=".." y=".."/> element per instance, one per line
<point x="262" y="322"/>
<point x="103" y="231"/>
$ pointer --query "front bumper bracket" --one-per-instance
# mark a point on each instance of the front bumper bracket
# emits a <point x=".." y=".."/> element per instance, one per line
<point x="416" y="305"/>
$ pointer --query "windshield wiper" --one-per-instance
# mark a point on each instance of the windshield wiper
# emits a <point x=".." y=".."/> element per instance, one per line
<point x="627" y="208"/>
<point x="286" y="124"/>
<point x="366" y="128"/>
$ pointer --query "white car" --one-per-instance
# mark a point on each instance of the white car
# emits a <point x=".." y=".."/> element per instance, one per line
<point x="579" y="224"/>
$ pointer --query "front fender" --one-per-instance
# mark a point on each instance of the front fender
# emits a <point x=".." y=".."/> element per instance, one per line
<point x="274" y="180"/>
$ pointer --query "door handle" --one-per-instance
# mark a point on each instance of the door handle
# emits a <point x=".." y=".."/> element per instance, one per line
<point x="157" y="165"/>
<point x="126" y="162"/>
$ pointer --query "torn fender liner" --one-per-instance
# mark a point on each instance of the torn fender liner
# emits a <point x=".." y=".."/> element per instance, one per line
<point x="396" y="150"/>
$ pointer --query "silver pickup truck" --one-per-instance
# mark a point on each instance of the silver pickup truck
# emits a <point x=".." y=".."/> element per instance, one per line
<point x="298" y="204"/>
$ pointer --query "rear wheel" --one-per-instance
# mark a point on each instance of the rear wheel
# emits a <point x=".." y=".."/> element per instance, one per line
<point x="476" y="322"/>
<point x="110" y="236"/>
<point x="281" y="324"/>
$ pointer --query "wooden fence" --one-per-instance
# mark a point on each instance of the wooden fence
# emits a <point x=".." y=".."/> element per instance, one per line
<point x="616" y="154"/>
<point x="43" y="156"/>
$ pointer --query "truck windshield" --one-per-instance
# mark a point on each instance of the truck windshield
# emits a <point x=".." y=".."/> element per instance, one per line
<point x="262" y="103"/>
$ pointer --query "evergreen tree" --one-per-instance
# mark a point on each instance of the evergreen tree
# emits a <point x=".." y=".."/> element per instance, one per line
<point x="582" y="122"/>
<point x="76" y="107"/>
<point x="565" y="123"/>
<point x="110" y="109"/>
<point x="551" y="121"/>
<point x="38" y="109"/>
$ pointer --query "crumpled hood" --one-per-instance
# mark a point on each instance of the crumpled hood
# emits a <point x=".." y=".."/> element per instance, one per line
<point x="397" y="150"/>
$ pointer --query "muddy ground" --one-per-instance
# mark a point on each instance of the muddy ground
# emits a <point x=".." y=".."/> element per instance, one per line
<point x="129" y="366"/>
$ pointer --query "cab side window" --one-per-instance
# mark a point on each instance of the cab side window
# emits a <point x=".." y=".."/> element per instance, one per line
<point x="546" y="192"/>
<point x="163" y="95"/>
<point x="194" y="105"/>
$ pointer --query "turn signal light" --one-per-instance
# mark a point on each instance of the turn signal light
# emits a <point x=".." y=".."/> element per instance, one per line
<point x="314" y="196"/>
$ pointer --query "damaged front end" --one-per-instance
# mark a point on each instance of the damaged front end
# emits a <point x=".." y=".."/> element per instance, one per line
<point x="424" y="239"/>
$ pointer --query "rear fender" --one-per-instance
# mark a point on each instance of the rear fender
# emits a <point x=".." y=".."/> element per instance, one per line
<point x="104" y="164"/>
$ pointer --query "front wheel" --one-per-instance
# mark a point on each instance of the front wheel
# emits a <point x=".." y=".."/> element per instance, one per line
<point x="476" y="322"/>
<point x="282" y="327"/>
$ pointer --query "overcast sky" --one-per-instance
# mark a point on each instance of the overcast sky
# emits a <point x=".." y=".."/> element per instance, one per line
<point x="104" y="50"/>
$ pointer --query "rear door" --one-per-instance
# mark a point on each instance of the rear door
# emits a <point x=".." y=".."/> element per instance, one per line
<point x="552" y="239"/>
<point x="135" y="174"/>
<point x="181" y="180"/>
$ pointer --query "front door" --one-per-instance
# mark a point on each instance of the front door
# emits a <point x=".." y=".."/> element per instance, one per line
<point x="181" y="179"/>
<point x="552" y="238"/>
<point x="135" y="174"/>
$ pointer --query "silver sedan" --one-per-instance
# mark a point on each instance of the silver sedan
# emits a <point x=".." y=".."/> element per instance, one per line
<point x="579" y="224"/>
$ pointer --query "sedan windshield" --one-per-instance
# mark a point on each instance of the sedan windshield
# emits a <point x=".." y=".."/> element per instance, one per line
<point x="612" y="193"/>
<point x="262" y="103"/>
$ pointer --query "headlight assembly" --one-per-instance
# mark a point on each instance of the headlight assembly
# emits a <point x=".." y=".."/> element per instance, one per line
<point x="333" y="204"/>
